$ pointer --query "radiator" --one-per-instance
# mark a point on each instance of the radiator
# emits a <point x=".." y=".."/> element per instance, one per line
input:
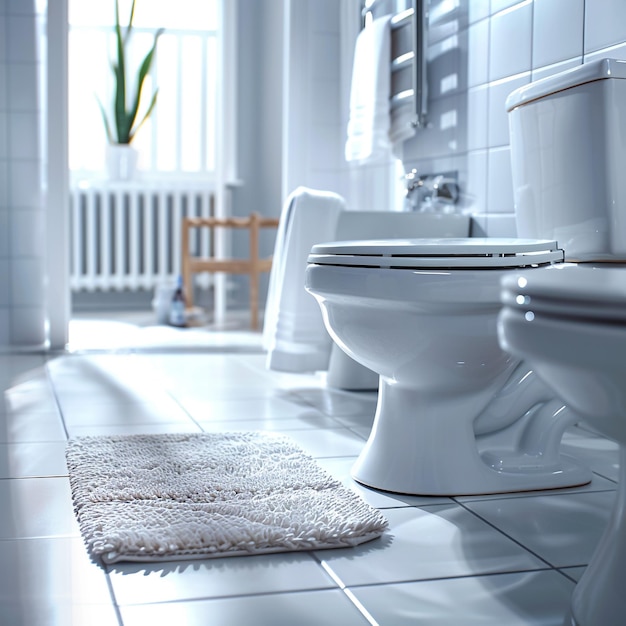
<point x="127" y="236"/>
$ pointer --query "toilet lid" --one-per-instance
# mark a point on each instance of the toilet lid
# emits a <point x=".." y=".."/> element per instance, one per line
<point x="595" y="294"/>
<point x="468" y="253"/>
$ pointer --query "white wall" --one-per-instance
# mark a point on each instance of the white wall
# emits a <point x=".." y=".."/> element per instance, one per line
<point x="22" y="216"/>
<point x="485" y="50"/>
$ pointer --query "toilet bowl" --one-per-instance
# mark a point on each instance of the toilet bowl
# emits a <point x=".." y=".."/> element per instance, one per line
<point x="456" y="414"/>
<point x="569" y="324"/>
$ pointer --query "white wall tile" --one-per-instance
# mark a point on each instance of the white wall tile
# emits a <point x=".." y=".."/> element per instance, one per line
<point x="5" y="282"/>
<point x="25" y="184"/>
<point x="4" y="183"/>
<point x="613" y="52"/>
<point x="4" y="235"/>
<point x="4" y="136"/>
<point x="3" y="38"/>
<point x="22" y="87"/>
<point x="28" y="326"/>
<point x="324" y="103"/>
<point x="478" y="54"/>
<point x="4" y="98"/>
<point x="605" y="24"/>
<point x="557" y="30"/>
<point x="501" y="5"/>
<point x="27" y="234"/>
<point x="324" y="15"/>
<point x="445" y="134"/>
<point x="20" y="7"/>
<point x="23" y="135"/>
<point x="324" y="56"/>
<point x="478" y="117"/>
<point x="475" y="188"/>
<point x="325" y="153"/>
<point x="26" y="278"/>
<point x="501" y="225"/>
<point x="21" y="39"/>
<point x="477" y="10"/>
<point x="5" y="324"/>
<point x="499" y="181"/>
<point x="551" y="70"/>
<point x="498" y="116"/>
<point x="446" y="67"/>
<point x="510" y="42"/>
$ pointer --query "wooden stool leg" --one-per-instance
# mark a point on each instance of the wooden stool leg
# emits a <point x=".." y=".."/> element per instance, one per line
<point x="254" y="271"/>
<point x="186" y="262"/>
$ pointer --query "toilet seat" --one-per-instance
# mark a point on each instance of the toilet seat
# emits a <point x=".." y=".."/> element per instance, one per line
<point x="450" y="253"/>
<point x="594" y="295"/>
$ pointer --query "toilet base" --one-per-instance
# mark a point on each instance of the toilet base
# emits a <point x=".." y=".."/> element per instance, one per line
<point x="419" y="446"/>
<point x="599" y="595"/>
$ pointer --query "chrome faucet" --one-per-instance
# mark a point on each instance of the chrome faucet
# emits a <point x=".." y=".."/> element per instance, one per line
<point x="430" y="193"/>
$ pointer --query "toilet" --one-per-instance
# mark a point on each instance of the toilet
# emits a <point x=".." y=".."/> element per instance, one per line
<point x="456" y="414"/>
<point x="570" y="325"/>
<point x="568" y="155"/>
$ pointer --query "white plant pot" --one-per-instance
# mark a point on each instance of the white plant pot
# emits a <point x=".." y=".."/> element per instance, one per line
<point x="121" y="161"/>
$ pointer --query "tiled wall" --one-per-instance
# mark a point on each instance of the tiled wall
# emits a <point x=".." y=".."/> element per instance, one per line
<point x="21" y="210"/>
<point x="480" y="51"/>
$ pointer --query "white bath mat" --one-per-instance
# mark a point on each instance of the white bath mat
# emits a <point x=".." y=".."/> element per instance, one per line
<point x="182" y="496"/>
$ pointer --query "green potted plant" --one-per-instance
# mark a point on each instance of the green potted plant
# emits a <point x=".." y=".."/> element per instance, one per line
<point x="126" y="121"/>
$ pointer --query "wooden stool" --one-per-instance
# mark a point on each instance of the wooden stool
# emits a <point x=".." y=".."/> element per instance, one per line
<point x="252" y="266"/>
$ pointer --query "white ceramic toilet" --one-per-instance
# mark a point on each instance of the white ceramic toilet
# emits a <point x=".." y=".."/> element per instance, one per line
<point x="568" y="153"/>
<point x="570" y="325"/>
<point x="456" y="414"/>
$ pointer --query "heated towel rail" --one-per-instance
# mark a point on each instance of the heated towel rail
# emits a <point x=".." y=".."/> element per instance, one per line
<point x="408" y="52"/>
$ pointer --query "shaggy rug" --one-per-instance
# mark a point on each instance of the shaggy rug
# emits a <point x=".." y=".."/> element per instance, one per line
<point x="183" y="496"/>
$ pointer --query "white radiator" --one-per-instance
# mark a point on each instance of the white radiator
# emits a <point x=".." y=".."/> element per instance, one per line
<point x="128" y="235"/>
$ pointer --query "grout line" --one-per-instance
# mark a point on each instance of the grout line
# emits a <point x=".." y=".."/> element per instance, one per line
<point x="56" y="399"/>
<point x="519" y="543"/>
<point x="353" y="599"/>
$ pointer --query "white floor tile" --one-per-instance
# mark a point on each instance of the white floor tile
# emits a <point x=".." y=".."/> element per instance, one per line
<point x="356" y="408"/>
<point x="58" y="613"/>
<point x="132" y="429"/>
<point x="434" y="542"/>
<point x="50" y="570"/>
<point x="96" y="413"/>
<point x="36" y="507"/>
<point x="31" y="426"/>
<point x="600" y="454"/>
<point x="261" y="408"/>
<point x="562" y="529"/>
<point x="598" y="483"/>
<point x="32" y="459"/>
<point x="273" y="424"/>
<point x="328" y="442"/>
<point x="438" y="564"/>
<point x="214" y="578"/>
<point x="313" y="608"/>
<point x="574" y="573"/>
<point x="520" y="599"/>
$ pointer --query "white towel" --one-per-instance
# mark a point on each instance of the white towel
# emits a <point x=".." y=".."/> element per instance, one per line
<point x="368" y="128"/>
<point x="294" y="334"/>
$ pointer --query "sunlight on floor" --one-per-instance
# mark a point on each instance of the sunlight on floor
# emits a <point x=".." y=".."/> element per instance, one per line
<point x="139" y="331"/>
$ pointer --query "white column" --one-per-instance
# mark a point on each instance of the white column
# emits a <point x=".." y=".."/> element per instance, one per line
<point x="57" y="199"/>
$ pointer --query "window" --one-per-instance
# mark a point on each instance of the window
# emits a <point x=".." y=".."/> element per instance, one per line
<point x="179" y="138"/>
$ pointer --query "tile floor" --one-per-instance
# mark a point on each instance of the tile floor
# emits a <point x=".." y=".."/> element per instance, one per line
<point x="509" y="560"/>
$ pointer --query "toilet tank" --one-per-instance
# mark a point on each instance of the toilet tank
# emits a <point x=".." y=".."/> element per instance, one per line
<point x="568" y="159"/>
